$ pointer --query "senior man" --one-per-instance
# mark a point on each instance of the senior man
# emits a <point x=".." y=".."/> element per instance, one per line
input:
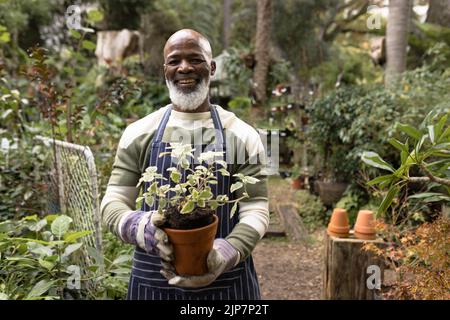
<point x="188" y="68"/>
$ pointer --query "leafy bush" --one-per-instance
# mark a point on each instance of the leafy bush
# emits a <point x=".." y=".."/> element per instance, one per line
<point x="419" y="257"/>
<point x="429" y="156"/>
<point x="36" y="258"/>
<point x="39" y="257"/>
<point x="351" y="120"/>
<point x="311" y="210"/>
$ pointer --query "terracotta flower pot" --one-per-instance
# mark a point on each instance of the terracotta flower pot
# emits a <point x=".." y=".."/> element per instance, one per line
<point x="339" y="226"/>
<point x="191" y="248"/>
<point x="297" y="184"/>
<point x="364" y="226"/>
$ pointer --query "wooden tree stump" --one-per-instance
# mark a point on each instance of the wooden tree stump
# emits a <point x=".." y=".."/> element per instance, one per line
<point x="346" y="273"/>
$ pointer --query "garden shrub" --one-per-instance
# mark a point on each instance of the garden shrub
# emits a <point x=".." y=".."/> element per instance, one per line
<point x="420" y="259"/>
<point x="311" y="210"/>
<point x="352" y="119"/>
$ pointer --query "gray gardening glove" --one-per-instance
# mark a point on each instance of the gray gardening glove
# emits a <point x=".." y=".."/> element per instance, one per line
<point x="221" y="258"/>
<point x="143" y="229"/>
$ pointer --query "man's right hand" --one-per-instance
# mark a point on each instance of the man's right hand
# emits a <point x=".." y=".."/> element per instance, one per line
<point x="143" y="229"/>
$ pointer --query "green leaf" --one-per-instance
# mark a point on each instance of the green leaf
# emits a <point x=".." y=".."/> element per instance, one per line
<point x="409" y="130"/>
<point x="397" y="144"/>
<point x="61" y="225"/>
<point x="122" y="259"/>
<point x="201" y="203"/>
<point x="236" y="186"/>
<point x="233" y="210"/>
<point x="89" y="45"/>
<point x="250" y="180"/>
<point x="440" y="125"/>
<point x="39" y="249"/>
<point x="222" y="163"/>
<point x="72" y="248"/>
<point x="175" y="176"/>
<point x="444" y="135"/>
<point x="387" y="201"/>
<point x="430" y="197"/>
<point x="213" y="204"/>
<point x="96" y="254"/>
<point x="38" y="225"/>
<point x="431" y="133"/>
<point x="46" y="264"/>
<point x="121" y="271"/>
<point x="206" y="194"/>
<point x="75" y="34"/>
<point x="420" y="143"/>
<point x="224" y="172"/>
<point x="380" y="179"/>
<point x="95" y="15"/>
<point x="188" y="207"/>
<point x="153" y="188"/>
<point x="374" y="160"/>
<point x="75" y="235"/>
<point x="40" y="288"/>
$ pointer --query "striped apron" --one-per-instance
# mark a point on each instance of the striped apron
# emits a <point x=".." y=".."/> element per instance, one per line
<point x="146" y="282"/>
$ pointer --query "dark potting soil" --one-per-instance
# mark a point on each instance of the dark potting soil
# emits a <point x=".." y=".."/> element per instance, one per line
<point x="198" y="218"/>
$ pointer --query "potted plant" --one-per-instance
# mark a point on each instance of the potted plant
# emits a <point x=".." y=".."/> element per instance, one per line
<point x="189" y="205"/>
<point x="297" y="181"/>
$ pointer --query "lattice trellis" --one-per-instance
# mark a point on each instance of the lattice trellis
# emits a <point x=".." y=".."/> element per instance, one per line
<point x="73" y="190"/>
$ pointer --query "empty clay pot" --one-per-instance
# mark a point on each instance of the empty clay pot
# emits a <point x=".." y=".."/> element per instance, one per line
<point x="191" y="248"/>
<point x="364" y="226"/>
<point x="338" y="226"/>
<point x="297" y="184"/>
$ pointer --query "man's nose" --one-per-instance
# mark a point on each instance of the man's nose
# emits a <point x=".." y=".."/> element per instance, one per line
<point x="185" y="66"/>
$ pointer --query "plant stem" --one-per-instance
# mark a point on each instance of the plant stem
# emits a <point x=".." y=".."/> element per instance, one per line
<point x="430" y="175"/>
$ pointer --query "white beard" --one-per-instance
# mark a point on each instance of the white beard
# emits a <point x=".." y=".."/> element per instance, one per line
<point x="188" y="101"/>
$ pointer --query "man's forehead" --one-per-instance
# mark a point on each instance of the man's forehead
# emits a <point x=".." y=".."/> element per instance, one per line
<point x="180" y="45"/>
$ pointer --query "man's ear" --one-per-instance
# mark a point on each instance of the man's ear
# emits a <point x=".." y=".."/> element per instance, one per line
<point x="213" y="67"/>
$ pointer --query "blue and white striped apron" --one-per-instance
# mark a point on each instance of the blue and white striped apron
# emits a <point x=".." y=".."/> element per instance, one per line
<point x="146" y="283"/>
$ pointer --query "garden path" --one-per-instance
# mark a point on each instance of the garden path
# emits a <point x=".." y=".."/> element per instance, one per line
<point x="288" y="270"/>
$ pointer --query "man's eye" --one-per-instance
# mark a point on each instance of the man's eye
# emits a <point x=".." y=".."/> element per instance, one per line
<point x="197" y="61"/>
<point x="172" y="62"/>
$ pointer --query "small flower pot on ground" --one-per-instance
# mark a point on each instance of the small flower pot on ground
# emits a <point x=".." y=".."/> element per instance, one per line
<point x="297" y="183"/>
<point x="339" y="226"/>
<point x="364" y="226"/>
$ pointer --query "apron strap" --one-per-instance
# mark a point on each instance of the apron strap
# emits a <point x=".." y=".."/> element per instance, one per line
<point x="162" y="125"/>
<point x="218" y="126"/>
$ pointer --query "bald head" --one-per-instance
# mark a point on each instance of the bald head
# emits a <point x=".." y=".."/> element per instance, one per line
<point x="189" y="35"/>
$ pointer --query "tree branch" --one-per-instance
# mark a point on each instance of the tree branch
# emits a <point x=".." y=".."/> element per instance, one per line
<point x="428" y="173"/>
<point x="418" y="179"/>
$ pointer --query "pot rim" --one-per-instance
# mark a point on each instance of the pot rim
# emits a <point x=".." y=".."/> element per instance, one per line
<point x="177" y="231"/>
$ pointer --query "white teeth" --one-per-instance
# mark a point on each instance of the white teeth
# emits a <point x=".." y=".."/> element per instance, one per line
<point x="186" y="81"/>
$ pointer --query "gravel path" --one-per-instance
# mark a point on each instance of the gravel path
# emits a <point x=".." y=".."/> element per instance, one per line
<point x="289" y="271"/>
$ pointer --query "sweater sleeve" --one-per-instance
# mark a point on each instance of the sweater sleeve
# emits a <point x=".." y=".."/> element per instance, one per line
<point x="121" y="192"/>
<point x="253" y="211"/>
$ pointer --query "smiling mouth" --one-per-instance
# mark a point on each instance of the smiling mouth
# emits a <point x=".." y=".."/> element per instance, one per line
<point x="186" y="82"/>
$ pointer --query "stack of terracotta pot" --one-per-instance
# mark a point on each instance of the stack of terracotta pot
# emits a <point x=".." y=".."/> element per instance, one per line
<point x="364" y="226"/>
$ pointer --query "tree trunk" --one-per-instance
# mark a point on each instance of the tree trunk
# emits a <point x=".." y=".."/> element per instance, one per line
<point x="396" y="39"/>
<point x="262" y="46"/>
<point x="226" y="23"/>
<point x="439" y="13"/>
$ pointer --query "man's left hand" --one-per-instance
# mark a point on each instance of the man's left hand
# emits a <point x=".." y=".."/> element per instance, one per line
<point x="221" y="258"/>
